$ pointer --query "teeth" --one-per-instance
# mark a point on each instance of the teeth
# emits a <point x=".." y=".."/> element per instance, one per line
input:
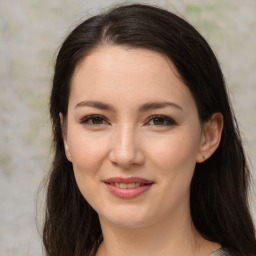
<point x="123" y="185"/>
<point x="131" y="185"/>
<point x="126" y="185"/>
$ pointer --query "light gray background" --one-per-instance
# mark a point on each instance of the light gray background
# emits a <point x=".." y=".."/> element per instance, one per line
<point x="30" y="33"/>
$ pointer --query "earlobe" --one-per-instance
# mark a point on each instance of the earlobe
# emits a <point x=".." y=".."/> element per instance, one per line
<point x="211" y="137"/>
<point x="61" y="118"/>
<point x="64" y="137"/>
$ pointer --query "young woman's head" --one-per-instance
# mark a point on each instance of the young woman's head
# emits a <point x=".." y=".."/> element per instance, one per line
<point x="139" y="101"/>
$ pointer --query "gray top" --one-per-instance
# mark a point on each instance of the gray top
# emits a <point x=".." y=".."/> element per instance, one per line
<point x="220" y="252"/>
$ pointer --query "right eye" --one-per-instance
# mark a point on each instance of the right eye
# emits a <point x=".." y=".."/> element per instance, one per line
<point x="94" y="120"/>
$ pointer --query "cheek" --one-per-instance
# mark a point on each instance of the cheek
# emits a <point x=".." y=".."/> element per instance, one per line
<point x="87" y="152"/>
<point x="174" y="158"/>
<point x="177" y="150"/>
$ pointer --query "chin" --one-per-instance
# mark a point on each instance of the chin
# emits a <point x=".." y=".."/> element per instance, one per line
<point x="128" y="218"/>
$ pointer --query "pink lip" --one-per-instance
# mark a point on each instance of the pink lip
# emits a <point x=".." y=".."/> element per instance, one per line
<point x="128" y="180"/>
<point x="128" y="193"/>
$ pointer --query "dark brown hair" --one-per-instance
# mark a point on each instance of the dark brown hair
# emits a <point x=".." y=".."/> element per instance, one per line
<point x="219" y="187"/>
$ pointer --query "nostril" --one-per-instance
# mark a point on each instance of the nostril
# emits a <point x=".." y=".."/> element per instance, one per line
<point x="125" y="152"/>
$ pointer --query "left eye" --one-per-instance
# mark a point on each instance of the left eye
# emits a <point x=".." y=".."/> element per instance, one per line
<point x="161" y="121"/>
<point x="93" y="120"/>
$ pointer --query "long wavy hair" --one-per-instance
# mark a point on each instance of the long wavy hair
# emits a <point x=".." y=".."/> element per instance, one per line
<point x="219" y="188"/>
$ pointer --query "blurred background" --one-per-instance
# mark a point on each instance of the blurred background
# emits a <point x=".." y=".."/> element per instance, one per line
<point x="30" y="34"/>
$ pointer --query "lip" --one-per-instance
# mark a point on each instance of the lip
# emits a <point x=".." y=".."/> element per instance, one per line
<point x="128" y="193"/>
<point x="128" y="180"/>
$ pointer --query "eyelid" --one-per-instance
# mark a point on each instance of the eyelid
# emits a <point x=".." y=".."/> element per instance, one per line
<point x="170" y="121"/>
<point x="85" y="119"/>
<point x="166" y="118"/>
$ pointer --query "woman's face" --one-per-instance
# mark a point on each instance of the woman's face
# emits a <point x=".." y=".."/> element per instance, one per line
<point x="133" y="135"/>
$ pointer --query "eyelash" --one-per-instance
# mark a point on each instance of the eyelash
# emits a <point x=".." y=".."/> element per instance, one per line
<point x="89" y="119"/>
<point x="166" y="120"/>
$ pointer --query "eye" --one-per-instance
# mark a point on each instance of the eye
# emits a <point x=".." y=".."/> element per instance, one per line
<point x="94" y="120"/>
<point x="159" y="120"/>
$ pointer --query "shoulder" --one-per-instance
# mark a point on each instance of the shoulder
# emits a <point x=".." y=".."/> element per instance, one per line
<point x="220" y="252"/>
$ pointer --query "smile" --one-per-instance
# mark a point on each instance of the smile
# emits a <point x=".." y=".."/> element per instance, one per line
<point x="126" y="185"/>
<point x="127" y="188"/>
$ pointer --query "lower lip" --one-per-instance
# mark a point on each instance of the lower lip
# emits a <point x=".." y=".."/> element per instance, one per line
<point x="128" y="193"/>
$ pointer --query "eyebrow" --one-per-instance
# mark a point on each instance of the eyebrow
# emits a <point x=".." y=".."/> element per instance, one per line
<point x="157" y="105"/>
<point x="142" y="108"/>
<point x="95" y="104"/>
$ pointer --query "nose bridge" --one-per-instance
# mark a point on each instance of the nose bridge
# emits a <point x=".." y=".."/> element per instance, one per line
<point x="125" y="148"/>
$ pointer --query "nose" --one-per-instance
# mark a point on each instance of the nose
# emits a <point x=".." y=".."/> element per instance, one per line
<point x="126" y="151"/>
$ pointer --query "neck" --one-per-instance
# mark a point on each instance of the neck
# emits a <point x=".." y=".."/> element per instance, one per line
<point x="168" y="237"/>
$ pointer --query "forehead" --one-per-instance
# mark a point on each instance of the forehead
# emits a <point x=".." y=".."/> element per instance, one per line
<point x="112" y="72"/>
<point x="117" y="57"/>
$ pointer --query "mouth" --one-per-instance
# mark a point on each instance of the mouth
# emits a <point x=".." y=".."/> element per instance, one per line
<point x="128" y="188"/>
<point x="126" y="185"/>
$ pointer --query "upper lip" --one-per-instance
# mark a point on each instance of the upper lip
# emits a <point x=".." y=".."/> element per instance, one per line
<point x="128" y="180"/>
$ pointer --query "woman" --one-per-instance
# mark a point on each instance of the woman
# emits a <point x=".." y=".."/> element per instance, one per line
<point x="148" y="157"/>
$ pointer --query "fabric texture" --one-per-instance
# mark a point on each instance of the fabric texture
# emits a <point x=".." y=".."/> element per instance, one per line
<point x="220" y="252"/>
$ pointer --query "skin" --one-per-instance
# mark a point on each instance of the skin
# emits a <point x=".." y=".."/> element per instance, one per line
<point x="124" y="141"/>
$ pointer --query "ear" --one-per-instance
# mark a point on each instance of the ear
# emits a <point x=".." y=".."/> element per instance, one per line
<point x="64" y="136"/>
<point x="211" y="136"/>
